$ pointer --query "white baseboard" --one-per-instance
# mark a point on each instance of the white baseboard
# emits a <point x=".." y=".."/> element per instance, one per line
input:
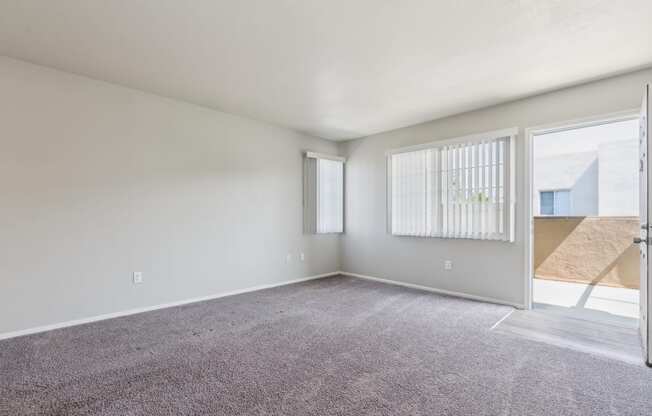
<point x="434" y="290"/>
<point x="96" y="318"/>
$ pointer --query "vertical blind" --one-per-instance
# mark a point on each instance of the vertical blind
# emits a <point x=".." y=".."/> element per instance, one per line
<point x="330" y="207"/>
<point x="461" y="188"/>
<point x="323" y="194"/>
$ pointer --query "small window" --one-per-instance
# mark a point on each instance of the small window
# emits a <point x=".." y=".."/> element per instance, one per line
<point x="555" y="203"/>
<point x="323" y="203"/>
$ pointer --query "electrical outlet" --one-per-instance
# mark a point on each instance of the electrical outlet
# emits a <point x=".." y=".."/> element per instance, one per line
<point x="303" y="257"/>
<point x="448" y="265"/>
<point x="138" y="277"/>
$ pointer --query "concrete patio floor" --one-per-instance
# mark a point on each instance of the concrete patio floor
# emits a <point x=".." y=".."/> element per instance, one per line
<point x="613" y="300"/>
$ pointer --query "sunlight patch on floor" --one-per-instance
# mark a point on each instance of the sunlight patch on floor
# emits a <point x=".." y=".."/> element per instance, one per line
<point x="613" y="300"/>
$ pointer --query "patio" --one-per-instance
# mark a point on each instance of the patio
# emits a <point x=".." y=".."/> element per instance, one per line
<point x="617" y="301"/>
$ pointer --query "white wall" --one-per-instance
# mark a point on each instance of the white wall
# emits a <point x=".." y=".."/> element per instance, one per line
<point x="97" y="181"/>
<point x="584" y="194"/>
<point x="482" y="268"/>
<point x="618" y="178"/>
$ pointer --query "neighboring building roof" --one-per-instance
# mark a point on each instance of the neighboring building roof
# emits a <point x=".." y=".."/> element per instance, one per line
<point x="562" y="171"/>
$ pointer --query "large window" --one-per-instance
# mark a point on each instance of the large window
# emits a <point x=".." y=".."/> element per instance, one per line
<point x="461" y="188"/>
<point x="555" y="203"/>
<point x="323" y="194"/>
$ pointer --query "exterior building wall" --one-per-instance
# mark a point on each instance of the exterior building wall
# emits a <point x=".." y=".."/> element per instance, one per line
<point x="618" y="178"/>
<point x="576" y="172"/>
<point x="604" y="182"/>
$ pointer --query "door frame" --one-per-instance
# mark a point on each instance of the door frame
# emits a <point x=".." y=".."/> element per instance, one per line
<point x="530" y="134"/>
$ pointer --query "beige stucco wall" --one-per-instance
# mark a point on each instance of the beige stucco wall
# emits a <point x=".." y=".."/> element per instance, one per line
<point x="595" y="250"/>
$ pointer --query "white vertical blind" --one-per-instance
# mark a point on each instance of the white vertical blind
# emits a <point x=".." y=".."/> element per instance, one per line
<point x="330" y="196"/>
<point x="462" y="189"/>
<point x="323" y="203"/>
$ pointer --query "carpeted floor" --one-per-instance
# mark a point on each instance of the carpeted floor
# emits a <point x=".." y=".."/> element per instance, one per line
<point x="335" y="346"/>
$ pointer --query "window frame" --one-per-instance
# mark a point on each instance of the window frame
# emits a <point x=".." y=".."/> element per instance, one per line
<point x="509" y="183"/>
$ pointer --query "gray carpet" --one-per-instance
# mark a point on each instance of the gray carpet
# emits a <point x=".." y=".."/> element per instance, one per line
<point x="335" y="346"/>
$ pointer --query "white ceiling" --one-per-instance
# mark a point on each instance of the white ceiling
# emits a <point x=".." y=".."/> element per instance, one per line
<point x="334" y="68"/>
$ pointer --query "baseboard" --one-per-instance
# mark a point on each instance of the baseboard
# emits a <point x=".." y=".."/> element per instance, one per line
<point x="435" y="290"/>
<point x="103" y="317"/>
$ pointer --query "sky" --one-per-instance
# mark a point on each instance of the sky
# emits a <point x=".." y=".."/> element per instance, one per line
<point x="584" y="139"/>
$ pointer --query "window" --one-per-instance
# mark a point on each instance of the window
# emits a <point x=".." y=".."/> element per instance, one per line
<point x="555" y="203"/>
<point x="323" y="194"/>
<point x="460" y="188"/>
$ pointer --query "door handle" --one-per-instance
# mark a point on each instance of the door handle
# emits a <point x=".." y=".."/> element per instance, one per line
<point x="638" y="240"/>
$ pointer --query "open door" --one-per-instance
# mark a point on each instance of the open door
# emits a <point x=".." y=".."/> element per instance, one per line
<point x="645" y="204"/>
